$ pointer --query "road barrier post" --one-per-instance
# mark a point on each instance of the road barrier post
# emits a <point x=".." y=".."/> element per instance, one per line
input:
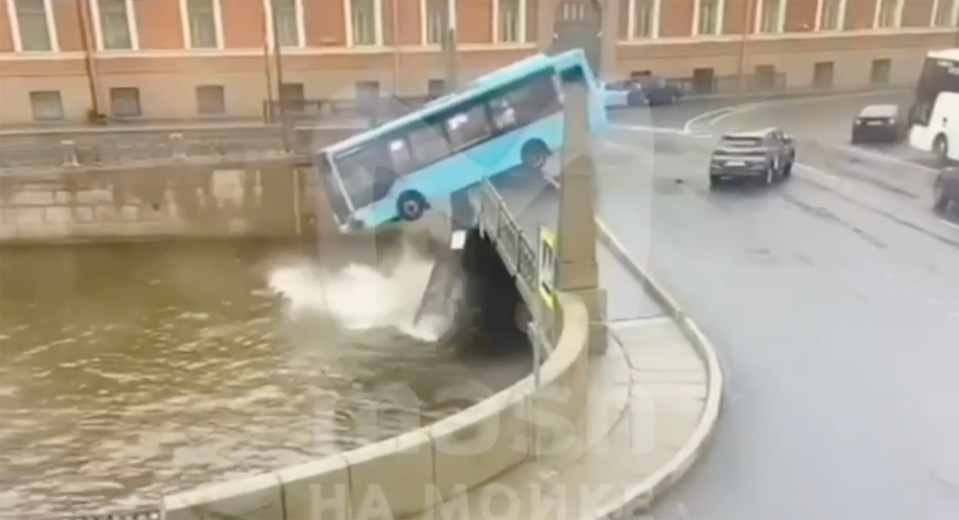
<point x="178" y="147"/>
<point x="68" y="153"/>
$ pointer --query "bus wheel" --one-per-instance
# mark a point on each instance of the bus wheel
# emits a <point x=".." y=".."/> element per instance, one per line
<point x="941" y="148"/>
<point x="410" y="205"/>
<point x="534" y="154"/>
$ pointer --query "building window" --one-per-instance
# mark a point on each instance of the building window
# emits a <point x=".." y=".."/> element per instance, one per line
<point x="704" y="81"/>
<point x="115" y="24"/>
<point x="367" y="90"/>
<point x="435" y="88"/>
<point x="944" y="13"/>
<point x="770" y="19"/>
<point x="435" y="13"/>
<point x="765" y="77"/>
<point x="292" y="93"/>
<point x="822" y="74"/>
<point x="203" y="24"/>
<point x="46" y="105"/>
<point x="286" y="22"/>
<point x="643" y="18"/>
<point x="573" y="10"/>
<point x="210" y="100"/>
<point x="364" y="22"/>
<point x="831" y="13"/>
<point x="125" y="102"/>
<point x="33" y="26"/>
<point x="879" y="75"/>
<point x="511" y="20"/>
<point x="888" y="13"/>
<point x="708" y="18"/>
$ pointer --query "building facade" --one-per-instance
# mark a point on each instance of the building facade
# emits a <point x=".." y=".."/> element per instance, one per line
<point x="64" y="61"/>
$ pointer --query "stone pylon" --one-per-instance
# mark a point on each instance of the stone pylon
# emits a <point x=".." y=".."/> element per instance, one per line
<point x="576" y="268"/>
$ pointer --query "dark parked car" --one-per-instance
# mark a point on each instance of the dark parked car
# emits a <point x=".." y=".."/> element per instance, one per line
<point x="659" y="91"/>
<point x="634" y="95"/>
<point x="945" y="193"/>
<point x="879" y="123"/>
<point x="766" y="155"/>
<point x="624" y="93"/>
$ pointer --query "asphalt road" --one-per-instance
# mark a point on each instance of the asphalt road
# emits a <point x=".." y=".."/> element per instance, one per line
<point x="833" y="299"/>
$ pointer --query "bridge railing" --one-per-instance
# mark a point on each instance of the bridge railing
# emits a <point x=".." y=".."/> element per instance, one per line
<point x="517" y="251"/>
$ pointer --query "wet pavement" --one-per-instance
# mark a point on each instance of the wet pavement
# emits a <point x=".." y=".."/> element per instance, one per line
<point x="833" y="300"/>
<point x="127" y="371"/>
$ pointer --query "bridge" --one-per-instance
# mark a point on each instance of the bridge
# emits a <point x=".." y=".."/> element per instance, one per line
<point x="576" y="280"/>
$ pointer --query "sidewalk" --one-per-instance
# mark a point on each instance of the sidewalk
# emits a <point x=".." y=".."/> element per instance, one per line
<point x="655" y="386"/>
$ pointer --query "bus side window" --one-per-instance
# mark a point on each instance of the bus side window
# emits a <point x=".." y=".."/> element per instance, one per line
<point x="504" y="116"/>
<point x="401" y="156"/>
<point x="468" y="127"/>
<point x="533" y="100"/>
<point x="429" y="144"/>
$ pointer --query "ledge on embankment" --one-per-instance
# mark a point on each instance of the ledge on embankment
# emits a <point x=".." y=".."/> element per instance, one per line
<point x="405" y="475"/>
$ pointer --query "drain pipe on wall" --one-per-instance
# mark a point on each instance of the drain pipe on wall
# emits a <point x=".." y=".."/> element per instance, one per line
<point x="83" y="13"/>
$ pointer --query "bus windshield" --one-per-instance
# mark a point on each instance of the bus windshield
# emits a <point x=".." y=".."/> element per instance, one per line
<point x="938" y="75"/>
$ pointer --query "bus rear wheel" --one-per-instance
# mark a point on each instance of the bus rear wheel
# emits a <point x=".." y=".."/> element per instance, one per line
<point x="534" y="154"/>
<point x="410" y="205"/>
<point x="941" y="148"/>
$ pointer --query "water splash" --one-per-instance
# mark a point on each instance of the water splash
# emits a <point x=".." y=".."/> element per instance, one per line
<point x="362" y="297"/>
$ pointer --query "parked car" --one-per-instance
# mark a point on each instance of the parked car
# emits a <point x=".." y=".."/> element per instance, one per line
<point x="879" y="123"/>
<point x="945" y="193"/>
<point x="766" y="155"/>
<point x="658" y="91"/>
<point x="625" y="91"/>
<point x="614" y="95"/>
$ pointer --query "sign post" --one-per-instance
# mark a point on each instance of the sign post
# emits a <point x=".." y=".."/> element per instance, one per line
<point x="546" y="268"/>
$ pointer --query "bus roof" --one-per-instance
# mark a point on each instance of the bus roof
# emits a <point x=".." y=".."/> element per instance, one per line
<point x="485" y="82"/>
<point x="945" y="54"/>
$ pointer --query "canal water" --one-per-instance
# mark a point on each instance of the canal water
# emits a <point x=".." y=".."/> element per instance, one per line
<point x="129" y="371"/>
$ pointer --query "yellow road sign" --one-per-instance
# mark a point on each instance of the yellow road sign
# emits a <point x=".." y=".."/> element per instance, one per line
<point x="546" y="272"/>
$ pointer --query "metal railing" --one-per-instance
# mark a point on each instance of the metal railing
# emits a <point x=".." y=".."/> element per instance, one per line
<point x="379" y="108"/>
<point x="133" y="147"/>
<point x="517" y="251"/>
<point x="748" y="83"/>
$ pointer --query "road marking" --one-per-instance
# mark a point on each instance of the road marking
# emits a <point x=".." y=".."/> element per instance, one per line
<point x="884" y="157"/>
<point x="688" y="127"/>
<point x="659" y="130"/>
<point x="717" y="115"/>
<point x="948" y="223"/>
<point x="618" y="146"/>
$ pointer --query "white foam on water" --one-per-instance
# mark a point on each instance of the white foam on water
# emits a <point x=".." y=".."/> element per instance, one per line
<point x="361" y="297"/>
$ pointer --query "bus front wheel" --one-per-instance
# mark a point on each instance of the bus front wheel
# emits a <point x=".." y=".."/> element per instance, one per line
<point x="941" y="148"/>
<point x="410" y="205"/>
<point x="534" y="154"/>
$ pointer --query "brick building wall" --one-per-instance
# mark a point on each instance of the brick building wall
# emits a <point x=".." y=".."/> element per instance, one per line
<point x="334" y="46"/>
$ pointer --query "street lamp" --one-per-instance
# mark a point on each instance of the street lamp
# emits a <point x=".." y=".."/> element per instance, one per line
<point x="740" y="80"/>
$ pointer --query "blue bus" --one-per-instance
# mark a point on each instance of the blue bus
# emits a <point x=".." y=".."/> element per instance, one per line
<point x="510" y="117"/>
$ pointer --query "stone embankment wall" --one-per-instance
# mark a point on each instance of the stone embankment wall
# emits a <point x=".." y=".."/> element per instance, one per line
<point x="267" y="198"/>
<point x="190" y="192"/>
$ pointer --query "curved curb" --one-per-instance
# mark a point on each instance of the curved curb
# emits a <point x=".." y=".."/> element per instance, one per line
<point x="639" y="498"/>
